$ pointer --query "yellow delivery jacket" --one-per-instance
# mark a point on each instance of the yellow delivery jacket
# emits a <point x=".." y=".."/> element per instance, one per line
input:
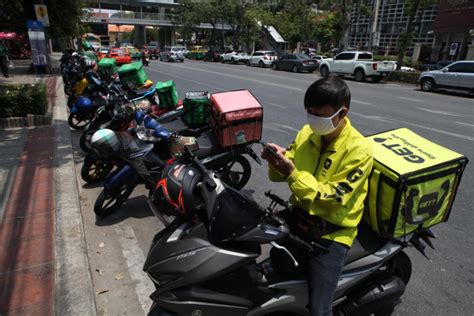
<point x="331" y="184"/>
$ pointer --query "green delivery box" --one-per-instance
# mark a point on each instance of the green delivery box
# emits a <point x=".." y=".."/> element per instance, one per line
<point x="167" y="94"/>
<point x="413" y="183"/>
<point x="133" y="75"/>
<point x="196" y="108"/>
<point x="107" y="67"/>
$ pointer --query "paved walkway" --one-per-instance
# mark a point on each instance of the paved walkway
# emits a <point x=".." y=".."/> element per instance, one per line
<point x="43" y="262"/>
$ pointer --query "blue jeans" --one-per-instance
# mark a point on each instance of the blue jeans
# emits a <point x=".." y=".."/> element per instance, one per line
<point x="324" y="272"/>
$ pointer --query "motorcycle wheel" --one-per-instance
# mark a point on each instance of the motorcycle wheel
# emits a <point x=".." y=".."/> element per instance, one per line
<point x="77" y="122"/>
<point x="108" y="203"/>
<point x="84" y="142"/>
<point x="94" y="169"/>
<point x="236" y="173"/>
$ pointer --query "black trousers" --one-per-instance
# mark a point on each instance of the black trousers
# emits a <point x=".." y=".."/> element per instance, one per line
<point x="4" y="63"/>
<point x="324" y="272"/>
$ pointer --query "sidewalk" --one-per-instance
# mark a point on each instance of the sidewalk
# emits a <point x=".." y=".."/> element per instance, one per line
<point x="43" y="264"/>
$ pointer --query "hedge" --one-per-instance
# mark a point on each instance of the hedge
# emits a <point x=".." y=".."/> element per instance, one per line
<point x="403" y="76"/>
<point x="23" y="99"/>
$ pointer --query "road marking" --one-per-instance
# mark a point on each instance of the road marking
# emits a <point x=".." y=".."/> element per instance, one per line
<point x="411" y="99"/>
<point x="443" y="112"/>
<point x="470" y="125"/>
<point x="193" y="81"/>
<point x="382" y="119"/>
<point x="361" y="102"/>
<point x="241" y="78"/>
<point x="135" y="259"/>
<point x="277" y="130"/>
<point x="285" y="127"/>
<point x="275" y="105"/>
<point x="267" y="72"/>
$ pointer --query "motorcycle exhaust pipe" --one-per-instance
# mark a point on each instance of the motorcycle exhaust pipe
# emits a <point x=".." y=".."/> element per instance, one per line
<point x="385" y="292"/>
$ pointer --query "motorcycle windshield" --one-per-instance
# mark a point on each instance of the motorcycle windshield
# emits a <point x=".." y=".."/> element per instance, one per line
<point x="233" y="215"/>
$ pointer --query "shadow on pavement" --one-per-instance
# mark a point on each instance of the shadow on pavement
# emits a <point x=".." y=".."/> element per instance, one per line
<point x="136" y="207"/>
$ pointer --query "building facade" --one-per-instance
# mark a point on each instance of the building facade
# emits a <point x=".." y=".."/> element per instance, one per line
<point x="378" y="24"/>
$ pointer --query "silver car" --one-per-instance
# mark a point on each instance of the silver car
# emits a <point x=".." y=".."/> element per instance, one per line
<point x="456" y="76"/>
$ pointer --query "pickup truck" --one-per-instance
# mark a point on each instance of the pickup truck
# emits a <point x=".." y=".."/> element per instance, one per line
<point x="360" y="65"/>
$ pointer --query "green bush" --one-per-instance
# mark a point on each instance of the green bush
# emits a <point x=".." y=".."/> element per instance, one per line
<point x="403" y="76"/>
<point x="23" y="99"/>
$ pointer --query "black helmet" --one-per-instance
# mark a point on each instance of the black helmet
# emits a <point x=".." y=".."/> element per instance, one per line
<point x="174" y="193"/>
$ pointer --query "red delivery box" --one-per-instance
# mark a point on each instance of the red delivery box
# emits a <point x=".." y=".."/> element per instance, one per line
<point x="236" y="117"/>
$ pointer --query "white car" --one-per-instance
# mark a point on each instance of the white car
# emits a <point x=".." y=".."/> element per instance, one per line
<point x="235" y="57"/>
<point x="360" y="65"/>
<point x="262" y="58"/>
<point x="456" y="76"/>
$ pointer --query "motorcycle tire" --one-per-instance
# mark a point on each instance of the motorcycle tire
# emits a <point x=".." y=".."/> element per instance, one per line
<point x="236" y="178"/>
<point x="84" y="143"/>
<point x="94" y="169"/>
<point x="77" y="123"/>
<point x="108" y="203"/>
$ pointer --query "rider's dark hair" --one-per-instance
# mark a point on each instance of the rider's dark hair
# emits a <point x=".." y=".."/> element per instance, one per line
<point x="331" y="90"/>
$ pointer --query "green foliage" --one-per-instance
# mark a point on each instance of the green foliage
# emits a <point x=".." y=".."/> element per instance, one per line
<point x="22" y="99"/>
<point x="402" y="76"/>
<point x="64" y="16"/>
<point x="327" y="29"/>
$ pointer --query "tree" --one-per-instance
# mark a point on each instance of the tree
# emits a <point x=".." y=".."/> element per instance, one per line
<point x="413" y="9"/>
<point x="327" y="29"/>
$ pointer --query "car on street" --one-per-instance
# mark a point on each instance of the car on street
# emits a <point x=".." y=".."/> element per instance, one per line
<point x="455" y="76"/>
<point x="172" y="53"/>
<point x="360" y="65"/>
<point x="154" y="51"/>
<point x="262" y="58"/>
<point x="295" y="63"/>
<point x="120" y="55"/>
<point x="235" y="57"/>
<point x="213" y="55"/>
<point x="318" y="58"/>
<point x="103" y="51"/>
<point x="434" y="66"/>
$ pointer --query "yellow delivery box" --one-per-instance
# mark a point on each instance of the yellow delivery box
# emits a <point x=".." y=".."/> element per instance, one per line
<point x="413" y="183"/>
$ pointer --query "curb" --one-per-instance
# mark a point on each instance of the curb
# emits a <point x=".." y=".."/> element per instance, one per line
<point x="74" y="292"/>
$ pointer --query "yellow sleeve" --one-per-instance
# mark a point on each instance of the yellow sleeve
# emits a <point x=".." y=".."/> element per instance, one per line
<point x="339" y="191"/>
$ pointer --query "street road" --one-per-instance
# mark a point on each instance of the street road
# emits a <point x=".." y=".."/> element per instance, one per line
<point x="442" y="285"/>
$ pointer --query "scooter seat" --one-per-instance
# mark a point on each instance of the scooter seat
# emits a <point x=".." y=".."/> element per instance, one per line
<point x="367" y="242"/>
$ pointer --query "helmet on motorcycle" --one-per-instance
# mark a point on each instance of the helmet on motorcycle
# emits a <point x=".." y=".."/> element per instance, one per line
<point x="174" y="193"/>
<point x="86" y="45"/>
<point x="105" y="142"/>
<point x="89" y="63"/>
<point x="82" y="103"/>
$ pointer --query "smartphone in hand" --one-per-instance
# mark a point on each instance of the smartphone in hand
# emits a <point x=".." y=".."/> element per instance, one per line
<point x="269" y="149"/>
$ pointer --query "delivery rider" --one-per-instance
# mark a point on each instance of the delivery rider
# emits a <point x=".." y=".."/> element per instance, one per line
<point x="326" y="168"/>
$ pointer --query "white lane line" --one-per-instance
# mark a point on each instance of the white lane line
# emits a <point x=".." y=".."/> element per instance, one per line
<point x="263" y="72"/>
<point x="135" y="259"/>
<point x="277" y="130"/>
<point x="383" y="119"/>
<point x="241" y="78"/>
<point x="467" y="124"/>
<point x="187" y="79"/>
<point x="361" y="102"/>
<point x="443" y="112"/>
<point x="411" y="99"/>
<point x="285" y="127"/>
<point x="274" y="104"/>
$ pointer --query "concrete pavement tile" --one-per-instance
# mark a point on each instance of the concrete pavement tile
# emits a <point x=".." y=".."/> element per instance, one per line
<point x="23" y="288"/>
<point x="39" y="309"/>
<point x="16" y="228"/>
<point x="25" y="253"/>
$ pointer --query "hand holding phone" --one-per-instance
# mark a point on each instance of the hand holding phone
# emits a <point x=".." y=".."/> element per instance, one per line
<point x="269" y="149"/>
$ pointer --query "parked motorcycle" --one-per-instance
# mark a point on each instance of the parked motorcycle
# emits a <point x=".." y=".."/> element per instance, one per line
<point x="143" y="159"/>
<point x="204" y="262"/>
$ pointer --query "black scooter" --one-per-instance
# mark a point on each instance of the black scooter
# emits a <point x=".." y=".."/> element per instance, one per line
<point x="205" y="262"/>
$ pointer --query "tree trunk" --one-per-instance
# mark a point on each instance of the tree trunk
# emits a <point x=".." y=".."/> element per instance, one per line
<point x="409" y="38"/>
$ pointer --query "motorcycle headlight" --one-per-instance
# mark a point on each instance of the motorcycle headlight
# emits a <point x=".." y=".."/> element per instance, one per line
<point x="146" y="134"/>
